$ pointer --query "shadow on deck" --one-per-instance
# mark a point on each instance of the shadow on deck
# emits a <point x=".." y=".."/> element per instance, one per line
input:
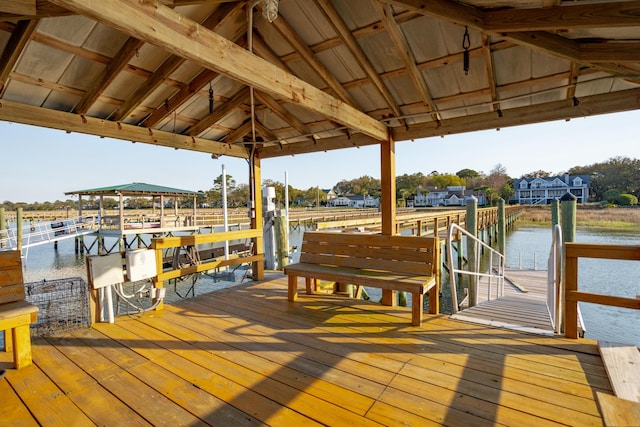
<point x="247" y="356"/>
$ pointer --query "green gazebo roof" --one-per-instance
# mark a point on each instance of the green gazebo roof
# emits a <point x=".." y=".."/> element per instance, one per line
<point x="134" y="189"/>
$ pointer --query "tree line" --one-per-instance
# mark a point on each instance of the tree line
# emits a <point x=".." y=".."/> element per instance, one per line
<point x="616" y="180"/>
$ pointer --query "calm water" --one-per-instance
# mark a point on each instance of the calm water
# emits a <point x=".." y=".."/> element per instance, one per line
<point x="523" y="246"/>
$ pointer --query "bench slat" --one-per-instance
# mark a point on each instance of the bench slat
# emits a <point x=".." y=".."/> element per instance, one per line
<point x="375" y="278"/>
<point x="391" y="263"/>
<point x="11" y="282"/>
<point x="369" y="251"/>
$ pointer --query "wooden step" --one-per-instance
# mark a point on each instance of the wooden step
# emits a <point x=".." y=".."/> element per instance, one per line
<point x="622" y="362"/>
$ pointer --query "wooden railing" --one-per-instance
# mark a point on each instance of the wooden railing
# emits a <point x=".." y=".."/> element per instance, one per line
<point x="159" y="244"/>
<point x="572" y="296"/>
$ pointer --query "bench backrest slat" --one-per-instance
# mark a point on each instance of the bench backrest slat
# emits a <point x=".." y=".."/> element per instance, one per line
<point x="402" y="254"/>
<point x="11" y="281"/>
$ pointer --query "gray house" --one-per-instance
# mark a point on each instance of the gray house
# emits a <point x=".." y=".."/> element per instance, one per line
<point x="543" y="190"/>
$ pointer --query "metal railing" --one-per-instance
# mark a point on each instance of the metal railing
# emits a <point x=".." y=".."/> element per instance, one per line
<point x="495" y="266"/>
<point x="40" y="233"/>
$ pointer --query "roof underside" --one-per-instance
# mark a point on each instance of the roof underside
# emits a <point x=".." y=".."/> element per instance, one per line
<point x="325" y="74"/>
<point x="135" y="189"/>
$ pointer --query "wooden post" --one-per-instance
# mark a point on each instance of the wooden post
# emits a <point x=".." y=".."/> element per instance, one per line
<point x="387" y="203"/>
<point x="19" y="230"/>
<point x="555" y="213"/>
<point x="568" y="206"/>
<point x="282" y="232"/>
<point x="502" y="228"/>
<point x="255" y="181"/>
<point x="3" y="233"/>
<point x="471" y="225"/>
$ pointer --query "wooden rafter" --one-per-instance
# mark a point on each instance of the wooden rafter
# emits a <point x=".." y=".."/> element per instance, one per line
<point x="238" y="99"/>
<point x="570" y="16"/>
<point x="474" y="17"/>
<point x="110" y="72"/>
<point x="160" y="25"/>
<point x="352" y="44"/>
<point x="238" y="134"/>
<point x="19" y="38"/>
<point x="403" y="49"/>
<point x="289" y="34"/>
<point x="283" y="113"/>
<point x="216" y="20"/>
<point x="559" y="110"/>
<point x="19" y="7"/>
<point x="491" y="73"/>
<point x="69" y="122"/>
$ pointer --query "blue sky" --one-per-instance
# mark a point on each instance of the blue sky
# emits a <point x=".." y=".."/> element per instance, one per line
<point x="40" y="165"/>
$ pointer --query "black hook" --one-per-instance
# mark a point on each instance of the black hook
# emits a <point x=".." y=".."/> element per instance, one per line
<point x="466" y="44"/>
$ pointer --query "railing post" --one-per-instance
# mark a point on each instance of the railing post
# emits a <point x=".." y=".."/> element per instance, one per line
<point x="3" y="233"/>
<point x="502" y="228"/>
<point x="472" y="227"/>
<point x="555" y="212"/>
<point x="19" y="230"/>
<point x="571" y="302"/>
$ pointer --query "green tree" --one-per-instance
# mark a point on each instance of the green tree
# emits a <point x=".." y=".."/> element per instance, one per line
<point x="467" y="174"/>
<point x="627" y="200"/>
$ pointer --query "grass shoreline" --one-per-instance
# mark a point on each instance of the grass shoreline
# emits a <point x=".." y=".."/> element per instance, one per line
<point x="586" y="216"/>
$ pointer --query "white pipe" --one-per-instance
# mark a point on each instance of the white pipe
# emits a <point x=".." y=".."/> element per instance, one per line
<point x="225" y="217"/>
<point x="286" y="206"/>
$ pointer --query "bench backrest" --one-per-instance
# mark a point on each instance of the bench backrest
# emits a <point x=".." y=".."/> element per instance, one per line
<point x="402" y="254"/>
<point x="11" y="281"/>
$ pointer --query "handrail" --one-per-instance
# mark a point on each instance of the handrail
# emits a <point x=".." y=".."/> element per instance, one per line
<point x="495" y="271"/>
<point x="46" y="232"/>
<point x="554" y="280"/>
<point x="158" y="244"/>
<point x="572" y="296"/>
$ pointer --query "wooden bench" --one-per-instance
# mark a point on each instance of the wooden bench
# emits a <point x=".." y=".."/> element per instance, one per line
<point x="391" y="263"/>
<point x="16" y="315"/>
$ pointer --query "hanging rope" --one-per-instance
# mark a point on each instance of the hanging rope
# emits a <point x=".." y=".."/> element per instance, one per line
<point x="466" y="43"/>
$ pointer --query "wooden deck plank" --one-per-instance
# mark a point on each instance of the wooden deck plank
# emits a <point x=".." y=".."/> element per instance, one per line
<point x="205" y="378"/>
<point x="13" y="411"/>
<point x="246" y="354"/>
<point x="534" y="391"/>
<point x="622" y="362"/>
<point x="101" y="406"/>
<point x="142" y="399"/>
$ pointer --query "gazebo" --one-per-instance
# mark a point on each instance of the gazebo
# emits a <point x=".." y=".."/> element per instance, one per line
<point x="259" y="79"/>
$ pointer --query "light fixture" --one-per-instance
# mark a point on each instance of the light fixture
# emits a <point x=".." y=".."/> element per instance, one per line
<point x="270" y="10"/>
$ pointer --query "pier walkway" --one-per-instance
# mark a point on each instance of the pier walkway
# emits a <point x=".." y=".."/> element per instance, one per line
<point x="523" y="305"/>
<point x="40" y="233"/>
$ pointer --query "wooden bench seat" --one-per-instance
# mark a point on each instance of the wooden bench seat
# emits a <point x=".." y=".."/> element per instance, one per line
<point x="390" y="263"/>
<point x="16" y="315"/>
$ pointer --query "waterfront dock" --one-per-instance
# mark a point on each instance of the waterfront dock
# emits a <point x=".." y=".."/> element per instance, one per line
<point x="246" y="356"/>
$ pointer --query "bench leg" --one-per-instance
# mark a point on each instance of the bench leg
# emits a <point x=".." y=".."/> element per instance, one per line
<point x="8" y="340"/>
<point x="417" y="301"/>
<point x="21" y="346"/>
<point x="293" y="287"/>
<point x="310" y="285"/>
<point x="389" y="298"/>
<point x="434" y="300"/>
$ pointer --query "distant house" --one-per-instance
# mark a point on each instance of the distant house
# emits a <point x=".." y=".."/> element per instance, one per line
<point x="453" y="195"/>
<point x="330" y="193"/>
<point x="542" y="190"/>
<point x="354" y="201"/>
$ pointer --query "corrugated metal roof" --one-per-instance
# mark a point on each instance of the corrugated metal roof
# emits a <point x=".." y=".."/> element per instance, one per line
<point x="135" y="188"/>
<point x="529" y="61"/>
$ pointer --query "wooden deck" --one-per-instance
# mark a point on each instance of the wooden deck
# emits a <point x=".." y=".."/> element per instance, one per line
<point x="247" y="356"/>
<point x="523" y="306"/>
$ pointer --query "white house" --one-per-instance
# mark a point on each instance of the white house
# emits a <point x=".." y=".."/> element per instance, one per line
<point x="542" y="190"/>
<point x="352" y="201"/>
<point x="453" y="195"/>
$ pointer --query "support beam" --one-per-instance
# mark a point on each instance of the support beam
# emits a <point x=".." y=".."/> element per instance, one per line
<point x="388" y="199"/>
<point x="255" y="210"/>
<point x="160" y="25"/>
<point x="53" y="119"/>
